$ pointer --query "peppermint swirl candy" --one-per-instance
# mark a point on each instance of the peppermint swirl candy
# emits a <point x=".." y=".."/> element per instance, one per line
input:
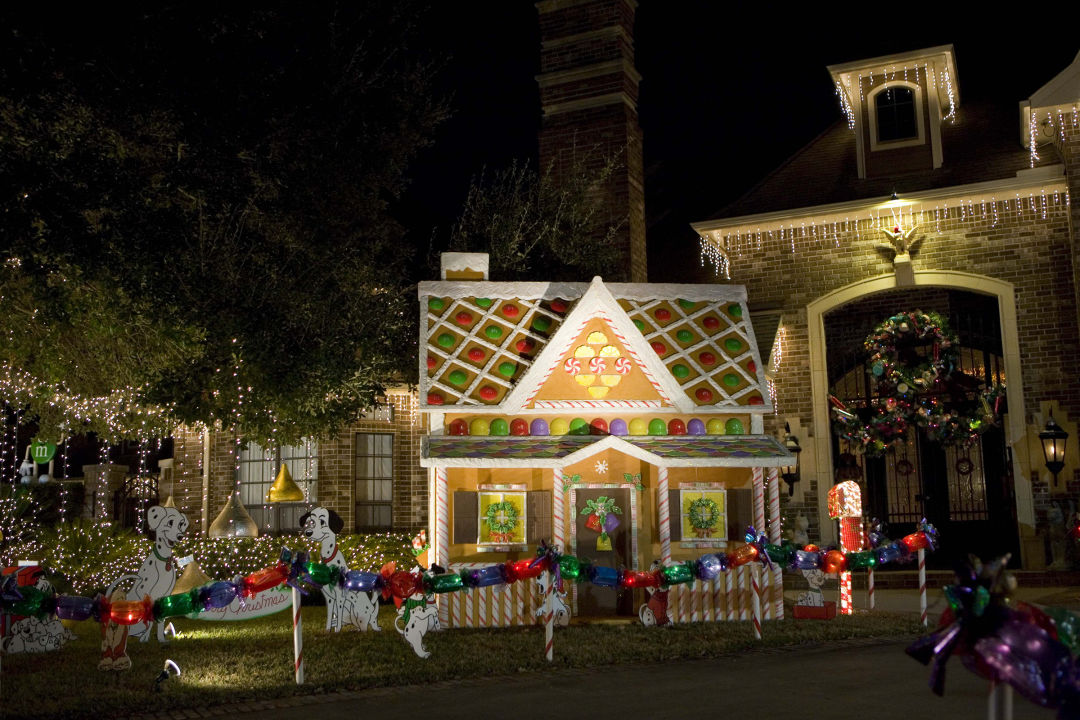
<point x="622" y="366"/>
<point x="572" y="366"/>
<point x="596" y="365"/>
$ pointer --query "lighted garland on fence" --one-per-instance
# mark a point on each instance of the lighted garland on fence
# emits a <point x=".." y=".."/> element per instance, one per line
<point x="297" y="570"/>
<point x="916" y="388"/>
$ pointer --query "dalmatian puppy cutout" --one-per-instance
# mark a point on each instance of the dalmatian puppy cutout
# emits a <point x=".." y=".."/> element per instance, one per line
<point x="558" y="603"/>
<point x="813" y="597"/>
<point x="31" y="635"/>
<point x="653" y="612"/>
<point x="343" y="607"/>
<point x="416" y="616"/>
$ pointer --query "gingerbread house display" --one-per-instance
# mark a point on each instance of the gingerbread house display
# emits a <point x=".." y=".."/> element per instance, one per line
<point x="621" y="422"/>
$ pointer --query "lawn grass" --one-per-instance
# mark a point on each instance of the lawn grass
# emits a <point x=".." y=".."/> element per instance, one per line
<point x="226" y="662"/>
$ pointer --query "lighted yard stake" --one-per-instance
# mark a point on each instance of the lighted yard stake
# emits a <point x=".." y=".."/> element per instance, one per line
<point x="845" y="506"/>
<point x="297" y="637"/>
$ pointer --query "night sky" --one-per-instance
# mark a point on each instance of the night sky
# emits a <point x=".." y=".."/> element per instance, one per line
<point x="724" y="100"/>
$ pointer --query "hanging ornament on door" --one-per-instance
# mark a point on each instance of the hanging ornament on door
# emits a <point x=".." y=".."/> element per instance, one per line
<point x="602" y="518"/>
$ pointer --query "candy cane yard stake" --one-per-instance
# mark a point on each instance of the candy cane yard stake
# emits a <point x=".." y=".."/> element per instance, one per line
<point x="549" y="617"/>
<point x="922" y="585"/>
<point x="756" y="599"/>
<point x="297" y="637"/>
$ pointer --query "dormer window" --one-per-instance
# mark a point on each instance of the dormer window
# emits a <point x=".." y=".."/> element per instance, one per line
<point x="896" y="116"/>
<point x="895" y="108"/>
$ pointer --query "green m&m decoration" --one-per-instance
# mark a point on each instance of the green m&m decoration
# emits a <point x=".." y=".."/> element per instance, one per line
<point x="435" y="304"/>
<point x="507" y="369"/>
<point x="494" y="332"/>
<point x="680" y="371"/>
<point x="684" y="336"/>
<point x="731" y="380"/>
<point x="541" y="324"/>
<point x="733" y="345"/>
<point x="446" y="340"/>
<point x="483" y="302"/>
<point x="457" y="377"/>
<point x="686" y="304"/>
<point x="639" y="325"/>
<point x="735" y="310"/>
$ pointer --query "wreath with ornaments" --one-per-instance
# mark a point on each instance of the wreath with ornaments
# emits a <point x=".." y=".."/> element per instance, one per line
<point x="703" y="514"/>
<point x="502" y="518"/>
<point x="913" y="355"/>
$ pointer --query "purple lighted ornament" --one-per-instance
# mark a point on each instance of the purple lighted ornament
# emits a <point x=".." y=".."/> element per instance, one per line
<point x="695" y="427"/>
<point x="611" y="522"/>
<point x="618" y="427"/>
<point x="711" y="565"/>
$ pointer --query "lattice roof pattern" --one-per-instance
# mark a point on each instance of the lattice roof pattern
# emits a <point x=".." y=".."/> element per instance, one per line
<point x="480" y="338"/>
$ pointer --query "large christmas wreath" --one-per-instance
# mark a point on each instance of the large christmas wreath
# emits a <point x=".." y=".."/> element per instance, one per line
<point x="502" y="518"/>
<point x="894" y="351"/>
<point x="703" y="514"/>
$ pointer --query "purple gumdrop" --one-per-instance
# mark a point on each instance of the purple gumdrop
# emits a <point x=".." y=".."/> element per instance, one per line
<point x="695" y="427"/>
<point x="618" y="427"/>
<point x="538" y="426"/>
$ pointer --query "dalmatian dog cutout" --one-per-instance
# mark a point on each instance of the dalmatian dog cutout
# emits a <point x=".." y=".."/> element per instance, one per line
<point x="415" y="618"/>
<point x="558" y="602"/>
<point x="813" y="597"/>
<point x="343" y="607"/>
<point x="157" y="576"/>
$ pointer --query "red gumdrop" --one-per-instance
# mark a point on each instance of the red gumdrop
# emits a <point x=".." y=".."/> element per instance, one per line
<point x="459" y="427"/>
<point x="519" y="427"/>
<point x="676" y="427"/>
<point x="524" y="345"/>
<point x="598" y="426"/>
<point x="757" y="400"/>
<point x="431" y="362"/>
<point x="752" y="367"/>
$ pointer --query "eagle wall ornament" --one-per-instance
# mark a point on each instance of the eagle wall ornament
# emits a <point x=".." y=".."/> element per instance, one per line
<point x="901" y="245"/>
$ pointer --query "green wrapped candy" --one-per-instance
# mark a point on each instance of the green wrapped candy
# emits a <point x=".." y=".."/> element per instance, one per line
<point x="678" y="574"/>
<point x="321" y="573"/>
<point x="1068" y="627"/>
<point x="861" y="560"/>
<point x="570" y="567"/>
<point x="780" y="554"/>
<point x="447" y="582"/>
<point x="30" y="604"/>
<point x="175" y="605"/>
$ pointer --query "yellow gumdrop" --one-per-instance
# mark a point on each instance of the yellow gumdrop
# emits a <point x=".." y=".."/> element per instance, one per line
<point x="598" y="391"/>
<point x="639" y="426"/>
<point x="585" y="380"/>
<point x="610" y="380"/>
<point x="479" y="426"/>
<point x="609" y="351"/>
<point x="715" y="427"/>
<point x="584" y="351"/>
<point x="559" y="426"/>
<point x="596" y="338"/>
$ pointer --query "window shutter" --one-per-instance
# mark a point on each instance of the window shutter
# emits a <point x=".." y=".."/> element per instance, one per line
<point x="466" y="522"/>
<point x="675" y="515"/>
<point x="740" y="513"/>
<point x="538" y="514"/>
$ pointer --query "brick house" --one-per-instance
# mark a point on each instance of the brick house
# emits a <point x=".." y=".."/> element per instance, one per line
<point x="994" y="250"/>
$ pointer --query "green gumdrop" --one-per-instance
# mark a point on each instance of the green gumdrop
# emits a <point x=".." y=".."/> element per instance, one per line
<point x="735" y="310"/>
<point x="579" y="426"/>
<point x="541" y="324"/>
<point x="733" y="345"/>
<point x="657" y="427"/>
<point x="499" y="427"/>
<point x="446" y="340"/>
<point x="457" y="377"/>
<point x="570" y="567"/>
<point x="731" y="379"/>
<point x="680" y="371"/>
<point x="494" y="332"/>
<point x="684" y="336"/>
<point x="678" y="574"/>
<point x="483" y="302"/>
<point x="733" y="426"/>
<point x="448" y="582"/>
<point x="507" y="369"/>
<point x="435" y="304"/>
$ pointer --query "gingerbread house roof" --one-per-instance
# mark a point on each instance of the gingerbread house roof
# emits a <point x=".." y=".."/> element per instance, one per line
<point x="492" y="346"/>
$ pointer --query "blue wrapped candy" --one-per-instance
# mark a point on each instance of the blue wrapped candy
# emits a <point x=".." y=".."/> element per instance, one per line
<point x="806" y="560"/>
<point x="604" y="576"/>
<point x="483" y="577"/>
<point x="358" y="581"/>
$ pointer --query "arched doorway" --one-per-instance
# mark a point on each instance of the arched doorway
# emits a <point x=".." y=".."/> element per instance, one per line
<point x="965" y="491"/>
<point x="1013" y="427"/>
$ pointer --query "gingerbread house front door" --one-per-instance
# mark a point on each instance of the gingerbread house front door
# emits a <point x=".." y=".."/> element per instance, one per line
<point x="604" y="528"/>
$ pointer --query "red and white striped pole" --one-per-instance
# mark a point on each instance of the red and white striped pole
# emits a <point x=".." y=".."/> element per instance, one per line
<point x="922" y="585"/>
<point x="297" y="637"/>
<point x="549" y="618"/>
<point x="870" y="588"/>
<point x="442" y="538"/>
<point x="756" y="599"/>
<point x="664" y="511"/>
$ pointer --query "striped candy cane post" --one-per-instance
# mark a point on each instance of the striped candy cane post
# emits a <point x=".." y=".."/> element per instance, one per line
<point x="870" y="588"/>
<point x="759" y="500"/>
<point x="743" y="615"/>
<point x="922" y="585"/>
<point x="717" y="615"/>
<point x="766" y="594"/>
<point x="729" y="578"/>
<point x="297" y="637"/>
<point x="442" y="538"/>
<point x="549" y="618"/>
<point x="559" y="510"/>
<point x="664" y="516"/>
<point x="777" y="585"/>
<point x="756" y="599"/>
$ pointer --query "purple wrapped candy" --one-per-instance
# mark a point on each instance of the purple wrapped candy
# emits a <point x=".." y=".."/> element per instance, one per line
<point x="483" y="577"/>
<point x="359" y="581"/>
<point x="538" y="426"/>
<point x="695" y="427"/>
<point x="69" y="607"/>
<point x="711" y="565"/>
<point x="618" y="427"/>
<point x="611" y="522"/>
<point x="807" y="560"/>
<point x="893" y="552"/>
<point x="218" y="595"/>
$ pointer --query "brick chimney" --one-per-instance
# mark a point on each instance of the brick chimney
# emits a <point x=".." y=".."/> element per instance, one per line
<point x="588" y="94"/>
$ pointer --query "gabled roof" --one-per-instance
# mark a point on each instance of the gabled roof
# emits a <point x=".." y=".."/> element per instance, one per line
<point x="490" y="346"/>
<point x="534" y="452"/>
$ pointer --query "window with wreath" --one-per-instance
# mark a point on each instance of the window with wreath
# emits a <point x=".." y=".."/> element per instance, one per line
<point x="702" y="514"/>
<point x="258" y="467"/>
<point x="501" y="516"/>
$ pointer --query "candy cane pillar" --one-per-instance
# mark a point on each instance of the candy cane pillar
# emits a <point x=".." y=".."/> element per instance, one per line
<point x="845" y="506"/>
<point x="298" y="637"/>
<point x="559" y="522"/>
<point x="664" y="515"/>
<point x="760" y="527"/>
<point x="442" y="537"/>
<point x="774" y="537"/>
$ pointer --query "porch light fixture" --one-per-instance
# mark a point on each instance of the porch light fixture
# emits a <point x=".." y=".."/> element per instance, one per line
<point x="790" y="473"/>
<point x="1053" y="440"/>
